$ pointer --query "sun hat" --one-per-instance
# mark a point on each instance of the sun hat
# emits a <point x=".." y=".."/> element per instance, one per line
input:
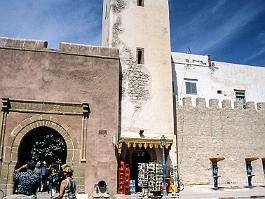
<point x="64" y="166"/>
<point x="67" y="169"/>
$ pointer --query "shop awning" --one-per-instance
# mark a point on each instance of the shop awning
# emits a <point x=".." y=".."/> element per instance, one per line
<point x="142" y="142"/>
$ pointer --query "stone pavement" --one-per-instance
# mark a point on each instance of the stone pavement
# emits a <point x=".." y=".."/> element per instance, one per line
<point x="232" y="192"/>
<point x="202" y="192"/>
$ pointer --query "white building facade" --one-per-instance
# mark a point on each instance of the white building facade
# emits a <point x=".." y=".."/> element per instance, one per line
<point x="198" y="76"/>
<point x="155" y="82"/>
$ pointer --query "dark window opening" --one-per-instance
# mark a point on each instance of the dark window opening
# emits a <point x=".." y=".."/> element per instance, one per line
<point x="140" y="3"/>
<point x="140" y="55"/>
<point x="240" y="96"/>
<point x="219" y="91"/>
<point x="191" y="88"/>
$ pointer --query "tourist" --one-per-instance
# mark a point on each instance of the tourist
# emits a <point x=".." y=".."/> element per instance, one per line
<point x="53" y="183"/>
<point x="38" y="172"/>
<point x="68" y="186"/>
<point x="27" y="180"/>
<point x="44" y="174"/>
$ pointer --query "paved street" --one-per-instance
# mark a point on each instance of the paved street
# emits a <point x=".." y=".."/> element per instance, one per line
<point x="206" y="192"/>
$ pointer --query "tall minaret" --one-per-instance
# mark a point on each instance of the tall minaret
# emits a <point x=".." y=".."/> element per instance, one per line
<point x="140" y="30"/>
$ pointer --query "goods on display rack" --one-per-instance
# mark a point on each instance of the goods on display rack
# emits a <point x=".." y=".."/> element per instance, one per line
<point x="132" y="186"/>
<point x="150" y="179"/>
<point x="124" y="175"/>
<point x="150" y="176"/>
<point x="121" y="171"/>
<point x="127" y="177"/>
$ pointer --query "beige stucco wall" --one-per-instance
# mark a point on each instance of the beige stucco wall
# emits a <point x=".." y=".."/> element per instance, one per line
<point x="75" y="74"/>
<point x="146" y="88"/>
<point x="234" y="134"/>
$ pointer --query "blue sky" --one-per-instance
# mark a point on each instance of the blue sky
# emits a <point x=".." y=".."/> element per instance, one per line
<point x="229" y="30"/>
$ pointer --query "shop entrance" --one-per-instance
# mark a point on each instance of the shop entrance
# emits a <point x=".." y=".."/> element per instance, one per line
<point x="42" y="144"/>
<point x="138" y="156"/>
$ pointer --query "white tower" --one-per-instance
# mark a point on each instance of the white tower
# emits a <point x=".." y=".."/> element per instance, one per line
<point x="140" y="30"/>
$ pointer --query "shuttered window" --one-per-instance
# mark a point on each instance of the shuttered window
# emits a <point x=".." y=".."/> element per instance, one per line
<point x="240" y="96"/>
<point x="191" y="88"/>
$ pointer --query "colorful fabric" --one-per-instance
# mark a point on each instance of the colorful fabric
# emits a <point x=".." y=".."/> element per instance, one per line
<point x="28" y="182"/>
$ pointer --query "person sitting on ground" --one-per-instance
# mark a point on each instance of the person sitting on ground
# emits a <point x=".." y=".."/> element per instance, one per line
<point x="68" y="186"/>
<point x="27" y="180"/>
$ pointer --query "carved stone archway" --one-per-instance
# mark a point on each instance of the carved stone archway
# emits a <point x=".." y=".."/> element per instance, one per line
<point x="26" y="126"/>
<point x="42" y="114"/>
<point x="42" y="121"/>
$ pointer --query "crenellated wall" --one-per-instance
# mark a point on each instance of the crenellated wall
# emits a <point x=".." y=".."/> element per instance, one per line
<point x="214" y="131"/>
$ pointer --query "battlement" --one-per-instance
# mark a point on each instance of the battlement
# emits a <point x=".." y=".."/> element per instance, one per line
<point x="82" y="49"/>
<point x="6" y="42"/>
<point x="69" y="48"/>
<point x="225" y="104"/>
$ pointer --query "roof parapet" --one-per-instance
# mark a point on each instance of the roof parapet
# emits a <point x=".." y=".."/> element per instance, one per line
<point x="238" y="105"/>
<point x="225" y="104"/>
<point x="81" y="49"/>
<point x="250" y="105"/>
<point x="213" y="103"/>
<point x="187" y="101"/>
<point x="261" y="106"/>
<point x="6" y="42"/>
<point x="200" y="103"/>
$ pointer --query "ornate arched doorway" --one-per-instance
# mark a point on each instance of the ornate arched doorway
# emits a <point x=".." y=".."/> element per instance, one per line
<point x="40" y="138"/>
<point x="42" y="144"/>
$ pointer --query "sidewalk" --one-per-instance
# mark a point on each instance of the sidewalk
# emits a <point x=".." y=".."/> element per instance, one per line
<point x="233" y="192"/>
<point x="202" y="192"/>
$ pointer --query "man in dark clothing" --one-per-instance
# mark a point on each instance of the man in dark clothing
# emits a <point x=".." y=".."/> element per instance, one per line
<point x="28" y="181"/>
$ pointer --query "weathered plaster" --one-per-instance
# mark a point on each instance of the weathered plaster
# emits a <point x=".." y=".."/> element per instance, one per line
<point x="136" y="79"/>
<point x="214" y="131"/>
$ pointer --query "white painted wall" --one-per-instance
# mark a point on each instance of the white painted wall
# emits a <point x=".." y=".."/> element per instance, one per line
<point x="221" y="76"/>
<point x="106" y="29"/>
<point x="143" y="27"/>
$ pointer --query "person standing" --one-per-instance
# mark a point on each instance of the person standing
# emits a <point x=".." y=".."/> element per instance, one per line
<point x="53" y="180"/>
<point x="68" y="186"/>
<point x="27" y="180"/>
<point x="38" y="172"/>
<point x="44" y="175"/>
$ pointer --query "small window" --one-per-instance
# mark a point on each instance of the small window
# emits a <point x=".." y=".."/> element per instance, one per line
<point x="219" y="91"/>
<point x="140" y="3"/>
<point x="140" y="55"/>
<point x="240" y="96"/>
<point x="191" y="87"/>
